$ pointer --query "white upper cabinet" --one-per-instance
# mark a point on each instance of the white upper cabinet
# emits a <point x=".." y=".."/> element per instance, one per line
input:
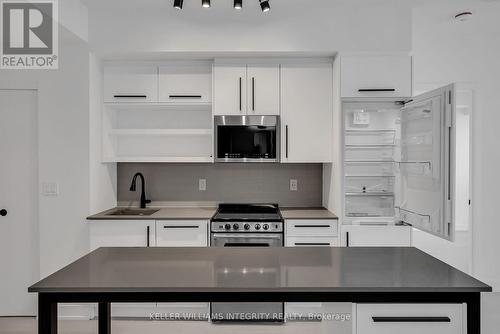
<point x="263" y="90"/>
<point x="131" y="83"/>
<point x="241" y="89"/>
<point x="229" y="90"/>
<point x="307" y="112"/>
<point x="191" y="83"/>
<point x="376" y="76"/>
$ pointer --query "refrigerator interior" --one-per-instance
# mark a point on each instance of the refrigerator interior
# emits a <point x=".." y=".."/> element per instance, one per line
<point x="372" y="135"/>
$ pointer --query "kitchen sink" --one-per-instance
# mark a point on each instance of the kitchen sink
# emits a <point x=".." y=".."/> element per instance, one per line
<point x="132" y="212"/>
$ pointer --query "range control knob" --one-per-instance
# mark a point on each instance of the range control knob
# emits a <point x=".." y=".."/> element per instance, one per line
<point x="227" y="226"/>
<point x="257" y="226"/>
<point x="266" y="227"/>
<point x="236" y="226"/>
<point x="247" y="226"/>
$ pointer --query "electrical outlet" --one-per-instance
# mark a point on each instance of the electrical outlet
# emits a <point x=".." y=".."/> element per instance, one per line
<point x="293" y="185"/>
<point x="50" y="189"/>
<point x="202" y="184"/>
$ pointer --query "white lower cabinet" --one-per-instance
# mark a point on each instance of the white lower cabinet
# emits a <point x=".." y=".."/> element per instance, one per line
<point x="150" y="233"/>
<point x="410" y="318"/>
<point x="309" y="233"/>
<point x="124" y="233"/>
<point x="183" y="233"/>
<point x="375" y="236"/>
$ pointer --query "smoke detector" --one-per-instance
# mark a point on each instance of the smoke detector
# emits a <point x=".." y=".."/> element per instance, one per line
<point x="463" y="16"/>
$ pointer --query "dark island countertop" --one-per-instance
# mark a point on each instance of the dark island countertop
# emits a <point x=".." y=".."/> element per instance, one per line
<point x="304" y="269"/>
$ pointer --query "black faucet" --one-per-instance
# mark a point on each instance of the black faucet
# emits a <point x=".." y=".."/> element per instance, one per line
<point x="144" y="201"/>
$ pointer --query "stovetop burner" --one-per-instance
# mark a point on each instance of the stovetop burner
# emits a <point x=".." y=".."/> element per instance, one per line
<point x="248" y="212"/>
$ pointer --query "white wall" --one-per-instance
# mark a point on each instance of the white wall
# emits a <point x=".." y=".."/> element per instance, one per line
<point x="63" y="104"/>
<point x="157" y="28"/>
<point x="102" y="176"/>
<point x="446" y="51"/>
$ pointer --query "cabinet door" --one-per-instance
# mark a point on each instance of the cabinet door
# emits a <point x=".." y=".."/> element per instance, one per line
<point x="230" y="96"/>
<point x="409" y="318"/>
<point x="122" y="233"/>
<point x="307" y="112"/>
<point x="182" y="233"/>
<point x="311" y="228"/>
<point x="185" y="83"/>
<point x="376" y="236"/>
<point x="427" y="168"/>
<point x="131" y="83"/>
<point x="376" y="76"/>
<point x="263" y="90"/>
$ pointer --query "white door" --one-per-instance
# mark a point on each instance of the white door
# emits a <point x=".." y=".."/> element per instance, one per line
<point x="263" y="87"/>
<point x="230" y="89"/>
<point x="19" y="265"/>
<point x="307" y="112"/>
<point x="426" y="165"/>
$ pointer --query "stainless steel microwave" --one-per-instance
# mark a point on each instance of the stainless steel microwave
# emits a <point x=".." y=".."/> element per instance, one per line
<point x="247" y="138"/>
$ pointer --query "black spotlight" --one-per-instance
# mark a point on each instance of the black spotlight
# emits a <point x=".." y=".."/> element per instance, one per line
<point x="238" y="4"/>
<point x="178" y="4"/>
<point x="264" y="4"/>
<point x="205" y="3"/>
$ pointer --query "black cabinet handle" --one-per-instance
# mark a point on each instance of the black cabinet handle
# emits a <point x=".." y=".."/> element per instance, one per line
<point x="286" y="141"/>
<point x="3" y="212"/>
<point x="253" y="93"/>
<point x="347" y="239"/>
<point x="185" y="96"/>
<point x="361" y="90"/>
<point x="311" y="225"/>
<point x="411" y="319"/>
<point x="148" y="228"/>
<point x="180" y="226"/>
<point x="240" y="92"/>
<point x="312" y="244"/>
<point x="130" y="96"/>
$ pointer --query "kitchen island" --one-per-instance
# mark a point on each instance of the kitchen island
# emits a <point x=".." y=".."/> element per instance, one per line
<point x="358" y="275"/>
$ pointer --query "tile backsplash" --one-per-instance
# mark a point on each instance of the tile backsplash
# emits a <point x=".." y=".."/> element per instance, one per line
<point x="225" y="182"/>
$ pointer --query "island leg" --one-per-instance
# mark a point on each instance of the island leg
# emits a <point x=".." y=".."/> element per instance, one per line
<point x="47" y="315"/>
<point x="474" y="314"/>
<point x="104" y="318"/>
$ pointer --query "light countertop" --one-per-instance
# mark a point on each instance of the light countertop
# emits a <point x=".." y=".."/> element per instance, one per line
<point x="187" y="213"/>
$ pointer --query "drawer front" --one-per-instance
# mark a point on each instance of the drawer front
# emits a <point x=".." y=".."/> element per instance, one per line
<point x="410" y="318"/>
<point x="376" y="236"/>
<point x="311" y="242"/>
<point x="376" y="76"/>
<point x="189" y="83"/>
<point x="182" y="233"/>
<point x="312" y="228"/>
<point x="124" y="84"/>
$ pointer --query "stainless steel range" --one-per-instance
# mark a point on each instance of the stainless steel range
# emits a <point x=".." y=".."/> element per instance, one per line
<point x="247" y="225"/>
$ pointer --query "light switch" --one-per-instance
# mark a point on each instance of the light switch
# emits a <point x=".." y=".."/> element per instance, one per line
<point x="202" y="184"/>
<point x="293" y="185"/>
<point x="50" y="189"/>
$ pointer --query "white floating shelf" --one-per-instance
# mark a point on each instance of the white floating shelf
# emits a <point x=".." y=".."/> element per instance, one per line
<point x="158" y="159"/>
<point x="161" y="132"/>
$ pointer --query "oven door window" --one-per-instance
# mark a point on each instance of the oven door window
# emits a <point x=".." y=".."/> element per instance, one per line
<point x="250" y="142"/>
<point x="241" y="240"/>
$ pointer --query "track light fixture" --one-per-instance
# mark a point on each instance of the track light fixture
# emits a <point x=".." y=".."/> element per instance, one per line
<point x="238" y="4"/>
<point x="264" y="5"/>
<point x="178" y="4"/>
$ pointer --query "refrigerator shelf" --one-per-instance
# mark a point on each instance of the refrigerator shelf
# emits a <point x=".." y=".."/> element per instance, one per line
<point x="369" y="194"/>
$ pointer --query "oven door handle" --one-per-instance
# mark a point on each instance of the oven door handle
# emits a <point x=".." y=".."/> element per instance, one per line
<point x="237" y="236"/>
